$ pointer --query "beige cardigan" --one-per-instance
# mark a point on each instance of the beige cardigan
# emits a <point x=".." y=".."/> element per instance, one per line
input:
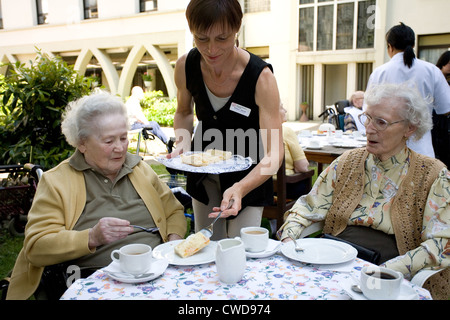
<point x="59" y="201"/>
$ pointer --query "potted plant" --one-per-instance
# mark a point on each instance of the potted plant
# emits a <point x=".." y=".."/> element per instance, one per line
<point x="147" y="79"/>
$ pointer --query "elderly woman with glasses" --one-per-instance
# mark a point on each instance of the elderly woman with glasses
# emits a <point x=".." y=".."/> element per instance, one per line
<point x="385" y="198"/>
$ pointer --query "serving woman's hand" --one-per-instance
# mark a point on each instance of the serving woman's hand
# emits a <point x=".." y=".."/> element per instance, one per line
<point x="108" y="230"/>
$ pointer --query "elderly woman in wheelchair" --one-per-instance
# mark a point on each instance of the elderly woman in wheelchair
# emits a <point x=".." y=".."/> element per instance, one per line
<point x="86" y="207"/>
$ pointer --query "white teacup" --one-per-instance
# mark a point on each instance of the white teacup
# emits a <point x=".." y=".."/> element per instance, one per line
<point x="338" y="134"/>
<point x="255" y="239"/>
<point x="314" y="143"/>
<point x="378" y="283"/>
<point x="133" y="258"/>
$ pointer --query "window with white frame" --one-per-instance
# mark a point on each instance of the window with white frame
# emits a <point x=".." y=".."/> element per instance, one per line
<point x="336" y="24"/>
<point x="90" y="9"/>
<point x="148" y="5"/>
<point x="42" y="11"/>
<point x="1" y="16"/>
<point x="256" y="6"/>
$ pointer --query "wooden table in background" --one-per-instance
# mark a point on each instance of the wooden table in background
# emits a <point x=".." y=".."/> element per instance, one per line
<point x="325" y="155"/>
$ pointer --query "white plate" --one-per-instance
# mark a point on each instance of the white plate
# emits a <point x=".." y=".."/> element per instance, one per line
<point x="235" y="163"/>
<point x="272" y="247"/>
<point x="347" y="146"/>
<point x="406" y="292"/>
<point x="320" y="251"/>
<point x="314" y="148"/>
<point x="157" y="268"/>
<point x="166" y="251"/>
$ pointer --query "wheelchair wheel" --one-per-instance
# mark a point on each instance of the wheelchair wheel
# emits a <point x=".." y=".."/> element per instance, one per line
<point x="17" y="225"/>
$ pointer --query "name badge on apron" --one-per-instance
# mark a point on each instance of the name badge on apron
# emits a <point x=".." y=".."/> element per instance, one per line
<point x="240" y="109"/>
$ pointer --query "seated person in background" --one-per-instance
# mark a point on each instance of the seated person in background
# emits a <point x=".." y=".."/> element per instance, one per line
<point x="295" y="159"/>
<point x="352" y="112"/>
<point x="386" y="197"/>
<point x="137" y="118"/>
<point x="84" y="207"/>
<point x="444" y="65"/>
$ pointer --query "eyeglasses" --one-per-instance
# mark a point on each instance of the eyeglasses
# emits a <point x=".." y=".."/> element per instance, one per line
<point x="378" y="123"/>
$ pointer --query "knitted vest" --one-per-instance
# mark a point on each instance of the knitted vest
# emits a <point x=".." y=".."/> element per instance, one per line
<point x="407" y="208"/>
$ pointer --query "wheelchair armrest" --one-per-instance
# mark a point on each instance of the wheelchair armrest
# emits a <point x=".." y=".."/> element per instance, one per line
<point x="313" y="228"/>
<point x="422" y="276"/>
<point x="299" y="176"/>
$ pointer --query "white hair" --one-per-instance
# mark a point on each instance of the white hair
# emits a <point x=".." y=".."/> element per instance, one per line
<point x="80" y="115"/>
<point x="414" y="107"/>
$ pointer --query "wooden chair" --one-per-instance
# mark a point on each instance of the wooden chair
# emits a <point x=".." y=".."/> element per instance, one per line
<point x="281" y="185"/>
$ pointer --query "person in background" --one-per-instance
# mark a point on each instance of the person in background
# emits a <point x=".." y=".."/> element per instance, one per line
<point x="405" y="67"/>
<point x="85" y="207"/>
<point x="441" y="122"/>
<point x="352" y="112"/>
<point x="294" y="157"/>
<point x="444" y="65"/>
<point x="386" y="197"/>
<point x="233" y="91"/>
<point x="137" y="118"/>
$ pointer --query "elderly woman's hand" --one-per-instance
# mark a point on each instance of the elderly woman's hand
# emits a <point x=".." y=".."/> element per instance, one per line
<point x="174" y="236"/>
<point x="108" y="230"/>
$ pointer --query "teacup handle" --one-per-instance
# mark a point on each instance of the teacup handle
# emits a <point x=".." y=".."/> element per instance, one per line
<point x="113" y="257"/>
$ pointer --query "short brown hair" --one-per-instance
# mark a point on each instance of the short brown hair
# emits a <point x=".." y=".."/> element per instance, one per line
<point x="203" y="14"/>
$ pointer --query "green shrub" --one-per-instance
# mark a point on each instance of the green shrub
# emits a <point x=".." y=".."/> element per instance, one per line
<point x="158" y="108"/>
<point x="32" y="101"/>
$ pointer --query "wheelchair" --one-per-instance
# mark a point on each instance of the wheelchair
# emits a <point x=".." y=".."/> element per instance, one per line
<point x="17" y="190"/>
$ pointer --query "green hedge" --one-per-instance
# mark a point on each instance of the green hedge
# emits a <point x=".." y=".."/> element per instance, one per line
<point x="158" y="108"/>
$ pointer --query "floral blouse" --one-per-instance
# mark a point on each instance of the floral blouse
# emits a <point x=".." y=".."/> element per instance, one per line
<point x="374" y="211"/>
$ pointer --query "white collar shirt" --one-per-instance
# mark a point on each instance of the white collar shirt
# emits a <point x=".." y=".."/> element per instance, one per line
<point x="430" y="82"/>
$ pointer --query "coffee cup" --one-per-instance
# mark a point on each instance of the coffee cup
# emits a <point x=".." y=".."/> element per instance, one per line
<point x="255" y="239"/>
<point x="314" y="143"/>
<point x="378" y="283"/>
<point x="133" y="258"/>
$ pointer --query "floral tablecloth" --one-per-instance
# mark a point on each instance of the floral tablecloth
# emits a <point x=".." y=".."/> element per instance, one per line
<point x="271" y="278"/>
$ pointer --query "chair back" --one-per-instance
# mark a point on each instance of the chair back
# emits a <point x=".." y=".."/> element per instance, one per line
<point x="281" y="185"/>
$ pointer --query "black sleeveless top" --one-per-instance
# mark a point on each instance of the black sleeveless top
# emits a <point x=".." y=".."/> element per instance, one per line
<point x="235" y="128"/>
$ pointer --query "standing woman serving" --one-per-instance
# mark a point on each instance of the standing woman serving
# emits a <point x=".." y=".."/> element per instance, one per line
<point x="235" y="95"/>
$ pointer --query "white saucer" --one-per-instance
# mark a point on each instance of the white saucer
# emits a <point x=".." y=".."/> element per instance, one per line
<point x="406" y="292"/>
<point x="272" y="248"/>
<point x="157" y="269"/>
<point x="314" y="148"/>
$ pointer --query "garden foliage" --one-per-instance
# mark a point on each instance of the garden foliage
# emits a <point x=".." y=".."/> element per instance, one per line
<point x="33" y="98"/>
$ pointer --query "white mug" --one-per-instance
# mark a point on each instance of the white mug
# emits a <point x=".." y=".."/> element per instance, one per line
<point x="133" y="258"/>
<point x="255" y="239"/>
<point x="378" y="283"/>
